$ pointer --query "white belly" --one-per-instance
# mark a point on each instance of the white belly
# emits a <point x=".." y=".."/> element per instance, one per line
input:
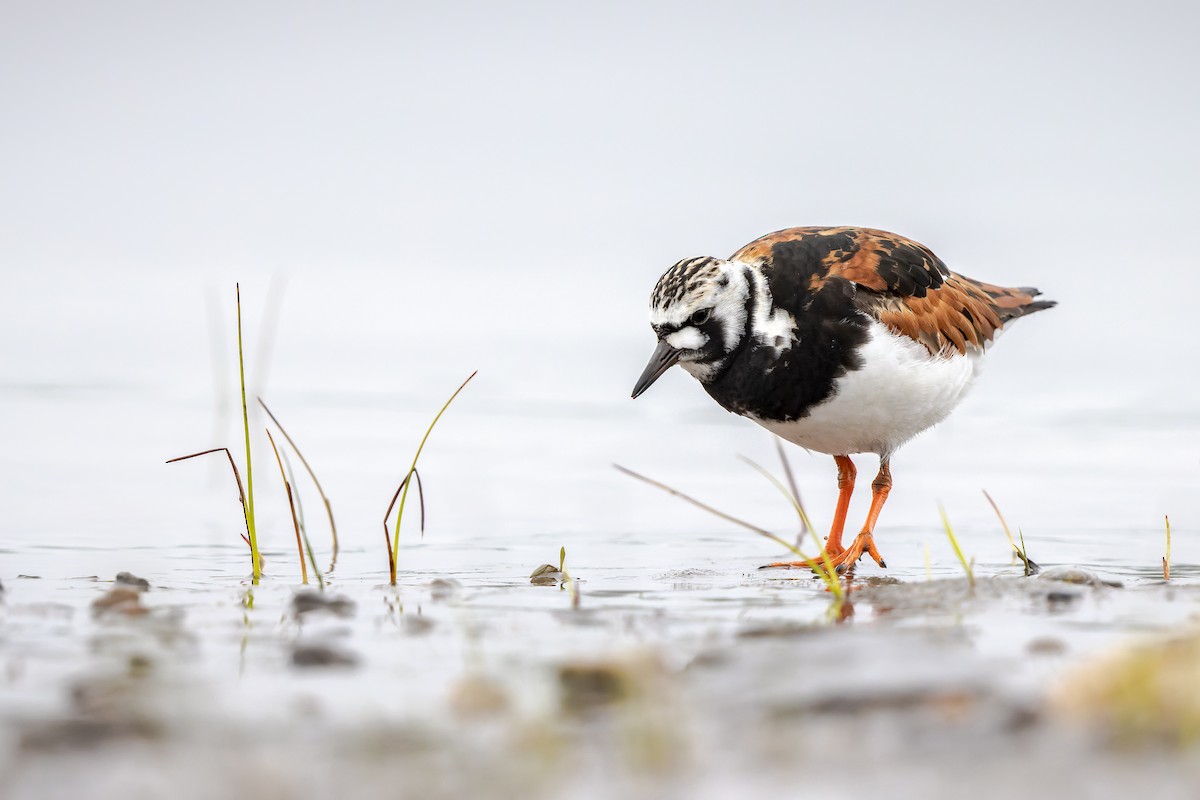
<point x="900" y="391"/>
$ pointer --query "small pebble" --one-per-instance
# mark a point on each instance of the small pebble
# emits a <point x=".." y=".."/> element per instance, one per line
<point x="1077" y="576"/>
<point x="443" y="588"/>
<point x="477" y="696"/>
<point x="1046" y="646"/>
<point x="129" y="579"/>
<point x="1058" y="599"/>
<point x="546" y="575"/>
<point x="119" y="600"/>
<point x="321" y="655"/>
<point x="417" y="625"/>
<point x="308" y="600"/>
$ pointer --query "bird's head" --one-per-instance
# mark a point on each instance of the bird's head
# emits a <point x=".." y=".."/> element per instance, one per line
<point x="698" y="313"/>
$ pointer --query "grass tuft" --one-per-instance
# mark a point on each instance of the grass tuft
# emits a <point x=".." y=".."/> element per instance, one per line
<point x="387" y="537"/>
<point x="1022" y="553"/>
<point x="402" y="491"/>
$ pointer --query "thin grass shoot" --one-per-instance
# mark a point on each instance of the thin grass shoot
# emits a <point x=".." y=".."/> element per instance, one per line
<point x="292" y="507"/>
<point x="568" y="583"/>
<point x="825" y="570"/>
<point x="838" y="593"/>
<point x="255" y="555"/>
<point x="1166" y="562"/>
<point x="805" y="528"/>
<point x="968" y="566"/>
<point x="308" y="548"/>
<point x="316" y="482"/>
<point x="237" y="476"/>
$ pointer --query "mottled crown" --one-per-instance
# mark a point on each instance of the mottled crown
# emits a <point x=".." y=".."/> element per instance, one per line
<point x="687" y="278"/>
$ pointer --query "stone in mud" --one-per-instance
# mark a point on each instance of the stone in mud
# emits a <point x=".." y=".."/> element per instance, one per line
<point x="477" y="696"/>
<point x="416" y="625"/>
<point x="321" y="655"/>
<point x="1046" y="646"/>
<point x="443" y="588"/>
<point x="129" y="579"/>
<point x="307" y="601"/>
<point x="1077" y="576"/>
<point x="119" y="600"/>
<point x="546" y="575"/>
<point x="587" y="685"/>
<point x="86" y="734"/>
<point x="1059" y="600"/>
<point x="774" y="629"/>
<point x="584" y="686"/>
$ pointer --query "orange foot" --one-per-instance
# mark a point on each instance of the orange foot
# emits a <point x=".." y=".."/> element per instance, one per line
<point x="841" y="560"/>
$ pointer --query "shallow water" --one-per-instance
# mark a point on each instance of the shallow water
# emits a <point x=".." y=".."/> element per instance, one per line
<point x="685" y="671"/>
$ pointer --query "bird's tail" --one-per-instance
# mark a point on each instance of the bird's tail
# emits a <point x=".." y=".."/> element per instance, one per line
<point x="1012" y="303"/>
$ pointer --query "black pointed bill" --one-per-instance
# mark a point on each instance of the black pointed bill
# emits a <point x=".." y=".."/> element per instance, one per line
<point x="663" y="359"/>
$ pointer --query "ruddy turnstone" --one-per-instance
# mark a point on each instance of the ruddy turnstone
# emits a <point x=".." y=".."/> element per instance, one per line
<point x="841" y="340"/>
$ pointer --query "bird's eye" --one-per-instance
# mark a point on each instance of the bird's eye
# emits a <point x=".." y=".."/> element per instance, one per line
<point x="700" y="317"/>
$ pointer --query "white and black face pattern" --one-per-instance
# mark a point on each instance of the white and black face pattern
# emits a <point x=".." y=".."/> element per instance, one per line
<point x="698" y="308"/>
<point x="698" y="312"/>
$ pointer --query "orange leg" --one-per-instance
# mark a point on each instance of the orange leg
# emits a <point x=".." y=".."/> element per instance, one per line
<point x="846" y="475"/>
<point x="833" y="544"/>
<point x="865" y="541"/>
<point x="841" y="557"/>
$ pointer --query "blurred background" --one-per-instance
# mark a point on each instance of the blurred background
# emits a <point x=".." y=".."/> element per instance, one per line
<point x="407" y="192"/>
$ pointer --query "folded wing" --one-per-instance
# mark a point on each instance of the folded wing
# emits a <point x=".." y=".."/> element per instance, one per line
<point x="897" y="281"/>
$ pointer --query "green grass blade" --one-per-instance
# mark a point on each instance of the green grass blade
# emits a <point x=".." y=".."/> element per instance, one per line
<point x="966" y="565"/>
<point x="255" y="556"/>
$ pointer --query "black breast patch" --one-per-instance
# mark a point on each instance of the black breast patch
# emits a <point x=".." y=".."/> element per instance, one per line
<point x="829" y="331"/>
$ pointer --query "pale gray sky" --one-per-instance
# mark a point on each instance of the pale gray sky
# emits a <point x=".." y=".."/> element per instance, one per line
<point x="503" y="182"/>
<point x="555" y="151"/>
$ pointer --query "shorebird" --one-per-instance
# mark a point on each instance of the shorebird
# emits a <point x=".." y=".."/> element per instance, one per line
<point x="841" y="340"/>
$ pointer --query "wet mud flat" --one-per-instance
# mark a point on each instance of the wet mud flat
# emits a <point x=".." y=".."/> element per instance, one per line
<point x="684" y="683"/>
